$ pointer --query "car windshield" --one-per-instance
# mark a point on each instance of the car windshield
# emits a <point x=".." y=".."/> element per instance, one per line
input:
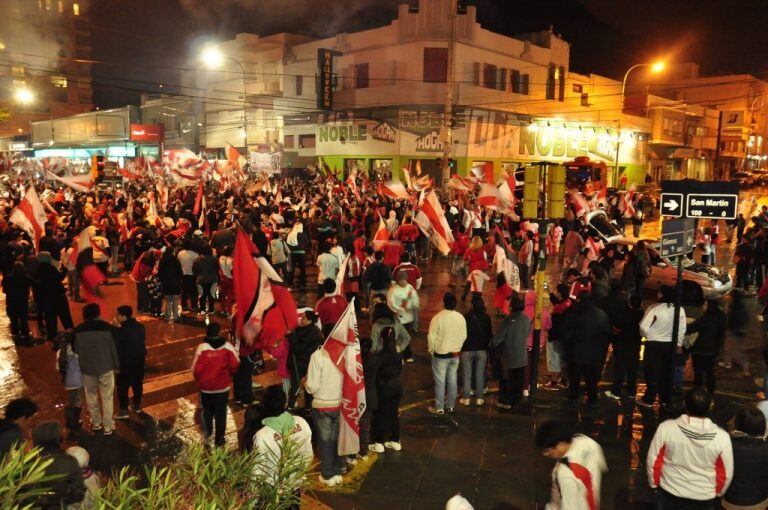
<point x="606" y="229"/>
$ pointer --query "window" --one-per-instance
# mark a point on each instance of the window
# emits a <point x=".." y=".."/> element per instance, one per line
<point x="306" y="141"/>
<point x="501" y="80"/>
<point x="524" y="82"/>
<point x="489" y="76"/>
<point x="76" y="9"/>
<point x="59" y="81"/>
<point x="514" y="77"/>
<point x="561" y="87"/>
<point x="702" y="131"/>
<point x="361" y="76"/>
<point x="479" y="128"/>
<point x="288" y="141"/>
<point x="585" y="99"/>
<point x="299" y="85"/>
<point x="551" y="71"/>
<point x="59" y="95"/>
<point x="578" y="88"/>
<point x="436" y="65"/>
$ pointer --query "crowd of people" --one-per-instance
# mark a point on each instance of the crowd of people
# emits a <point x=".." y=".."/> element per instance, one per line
<point x="179" y="253"/>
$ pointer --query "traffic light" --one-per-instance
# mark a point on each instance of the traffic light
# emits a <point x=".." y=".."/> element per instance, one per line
<point x="531" y="192"/>
<point x="556" y="192"/>
<point x="97" y="168"/>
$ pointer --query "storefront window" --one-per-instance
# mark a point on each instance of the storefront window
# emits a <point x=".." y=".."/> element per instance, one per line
<point x="381" y="169"/>
<point x="355" y="164"/>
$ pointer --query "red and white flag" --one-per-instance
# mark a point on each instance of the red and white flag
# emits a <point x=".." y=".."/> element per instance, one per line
<point x="234" y="156"/>
<point x="266" y="311"/>
<point x="626" y="204"/>
<point x="507" y="190"/>
<point x="198" y="199"/>
<point x="431" y="220"/>
<point x="382" y="234"/>
<point x="490" y="197"/>
<point x="90" y="275"/>
<point x="30" y="216"/>
<point x="459" y="183"/>
<point x="343" y="348"/>
<point x="76" y="182"/>
<point x="340" y="276"/>
<point x="579" y="203"/>
<point x="393" y="189"/>
<point x="152" y="217"/>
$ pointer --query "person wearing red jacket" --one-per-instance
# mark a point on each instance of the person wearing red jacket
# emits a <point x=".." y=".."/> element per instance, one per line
<point x="331" y="307"/>
<point x="407" y="234"/>
<point x="213" y="366"/>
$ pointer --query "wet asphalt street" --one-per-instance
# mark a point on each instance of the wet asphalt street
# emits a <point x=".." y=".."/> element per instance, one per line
<point x="486" y="455"/>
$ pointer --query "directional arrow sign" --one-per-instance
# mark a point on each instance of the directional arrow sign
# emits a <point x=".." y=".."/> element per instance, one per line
<point x="677" y="237"/>
<point x="672" y="204"/>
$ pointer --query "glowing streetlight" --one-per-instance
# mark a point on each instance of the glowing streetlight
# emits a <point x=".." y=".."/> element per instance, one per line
<point x="658" y="66"/>
<point x="212" y="57"/>
<point x="23" y="96"/>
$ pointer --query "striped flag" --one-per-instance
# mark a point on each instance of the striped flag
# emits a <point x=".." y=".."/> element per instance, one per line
<point x="431" y="220"/>
<point x="343" y="348"/>
<point x="392" y="189"/>
<point x="30" y="216"/>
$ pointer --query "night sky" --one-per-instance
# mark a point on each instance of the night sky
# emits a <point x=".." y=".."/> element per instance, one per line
<point x="607" y="36"/>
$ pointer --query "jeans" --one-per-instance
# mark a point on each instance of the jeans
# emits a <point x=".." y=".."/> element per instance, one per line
<point x="298" y="261"/>
<point x="667" y="501"/>
<point x="511" y="385"/>
<point x="591" y="375"/>
<point x="327" y="427"/>
<point x="626" y="357"/>
<point x="113" y="253"/>
<point x="242" y="382"/>
<point x="658" y="371"/>
<point x="55" y="308"/>
<point x="188" y="292"/>
<point x="445" y="371"/>
<point x="473" y="361"/>
<point x="130" y="376"/>
<point x="704" y="367"/>
<point x="143" y="298"/>
<point x="171" y="307"/>
<point x="100" y="385"/>
<point x="206" y="298"/>
<point x="214" y="414"/>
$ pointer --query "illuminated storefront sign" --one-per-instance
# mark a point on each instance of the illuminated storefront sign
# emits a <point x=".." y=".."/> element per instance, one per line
<point x="562" y="142"/>
<point x="325" y="79"/>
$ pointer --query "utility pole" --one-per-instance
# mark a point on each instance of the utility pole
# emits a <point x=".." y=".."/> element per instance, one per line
<point x="450" y="83"/>
<point x="717" y="174"/>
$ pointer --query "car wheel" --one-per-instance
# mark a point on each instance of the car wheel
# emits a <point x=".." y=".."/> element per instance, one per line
<point x="693" y="294"/>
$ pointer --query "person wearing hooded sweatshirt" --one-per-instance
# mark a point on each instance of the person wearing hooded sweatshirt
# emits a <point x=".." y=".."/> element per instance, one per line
<point x="303" y="341"/>
<point x="68" y="487"/>
<point x="579" y="467"/>
<point x="213" y="366"/>
<point x="272" y="404"/>
<point x="55" y="307"/>
<point x="690" y="459"/>
<point x="298" y="244"/>
<point x="511" y="336"/>
<point x="748" y="490"/>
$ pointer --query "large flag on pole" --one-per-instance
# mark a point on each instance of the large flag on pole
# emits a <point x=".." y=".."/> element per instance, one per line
<point x="382" y="234"/>
<point x="266" y="311"/>
<point x="76" y="182"/>
<point x="30" y="216"/>
<point x="431" y="220"/>
<point x="392" y="189"/>
<point x="343" y="348"/>
<point x="490" y="197"/>
<point x="198" y="199"/>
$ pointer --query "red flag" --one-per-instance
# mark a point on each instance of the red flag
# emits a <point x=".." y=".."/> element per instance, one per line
<point x="198" y="199"/>
<point x="30" y="216"/>
<point x="488" y="170"/>
<point x="266" y="311"/>
<point x="343" y="348"/>
<point x="431" y="220"/>
<point x="491" y="197"/>
<point x="392" y="189"/>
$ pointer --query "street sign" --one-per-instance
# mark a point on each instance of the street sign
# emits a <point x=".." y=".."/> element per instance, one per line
<point x="672" y="204"/>
<point x="712" y="205"/>
<point x="677" y="237"/>
<point x="716" y="200"/>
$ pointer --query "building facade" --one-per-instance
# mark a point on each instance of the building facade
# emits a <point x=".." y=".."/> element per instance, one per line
<point x="47" y="60"/>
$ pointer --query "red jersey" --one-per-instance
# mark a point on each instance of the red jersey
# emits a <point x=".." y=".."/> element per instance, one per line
<point x="330" y="309"/>
<point x="393" y="250"/>
<point x="411" y="272"/>
<point x="476" y="259"/>
<point x="407" y="233"/>
<point x="461" y="244"/>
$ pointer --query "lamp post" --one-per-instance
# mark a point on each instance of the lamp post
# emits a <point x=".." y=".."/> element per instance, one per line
<point x="23" y="96"/>
<point x="656" y="67"/>
<point x="213" y="58"/>
<point x="750" y="135"/>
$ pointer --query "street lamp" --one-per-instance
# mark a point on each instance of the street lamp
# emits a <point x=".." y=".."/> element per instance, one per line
<point x="751" y="130"/>
<point x="23" y="96"/>
<point x="656" y="67"/>
<point x="213" y="58"/>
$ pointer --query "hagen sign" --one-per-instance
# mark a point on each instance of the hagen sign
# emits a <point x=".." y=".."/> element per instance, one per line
<point x="557" y="142"/>
<point x="324" y="79"/>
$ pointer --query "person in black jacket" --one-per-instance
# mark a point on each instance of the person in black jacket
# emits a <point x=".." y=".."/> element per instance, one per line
<point x="371" y="362"/>
<point x="378" y="275"/>
<point x="131" y="351"/>
<point x="304" y="340"/>
<point x="170" y="275"/>
<point x="389" y="391"/>
<point x="626" y="347"/>
<point x="17" y="412"/>
<point x="273" y="404"/>
<point x="68" y="487"/>
<point x="748" y="489"/>
<point x="474" y="352"/>
<point x="53" y="302"/>
<point x="585" y="336"/>
<point x="711" y="328"/>
<point x="16" y="287"/>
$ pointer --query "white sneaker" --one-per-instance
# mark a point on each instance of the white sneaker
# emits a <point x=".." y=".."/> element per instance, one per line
<point x="338" y="480"/>
<point x="376" y="448"/>
<point x="351" y="461"/>
<point x="609" y="394"/>
<point x="526" y="393"/>
<point x="479" y="401"/>
<point x="330" y="482"/>
<point x="465" y="401"/>
<point x="393" y="445"/>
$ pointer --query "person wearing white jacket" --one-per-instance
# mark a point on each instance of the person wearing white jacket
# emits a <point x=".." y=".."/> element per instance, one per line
<point x="690" y="459"/>
<point x="323" y="382"/>
<point x="403" y="299"/>
<point x="579" y="469"/>
<point x="656" y="327"/>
